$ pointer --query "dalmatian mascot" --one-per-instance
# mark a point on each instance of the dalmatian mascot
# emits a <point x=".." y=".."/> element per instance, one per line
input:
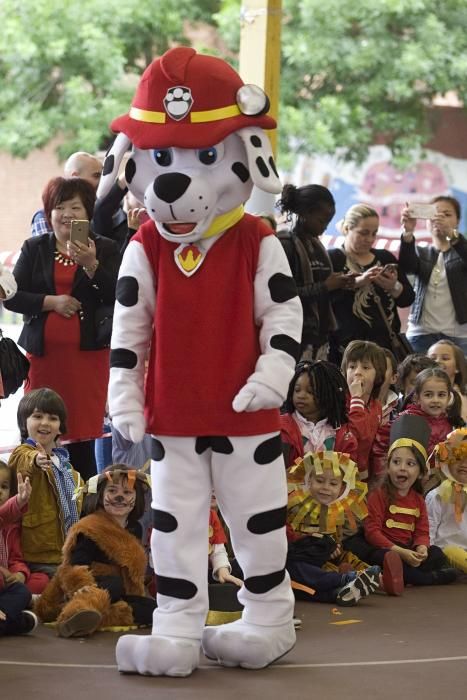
<point x="204" y="296"/>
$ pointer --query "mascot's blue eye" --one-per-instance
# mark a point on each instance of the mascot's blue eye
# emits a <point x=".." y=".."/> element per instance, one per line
<point x="163" y="156"/>
<point x="208" y="156"/>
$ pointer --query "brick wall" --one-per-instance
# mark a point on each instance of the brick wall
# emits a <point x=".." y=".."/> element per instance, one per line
<point x="21" y="184"/>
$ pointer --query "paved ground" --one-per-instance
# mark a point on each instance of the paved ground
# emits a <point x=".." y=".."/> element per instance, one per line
<point x="383" y="649"/>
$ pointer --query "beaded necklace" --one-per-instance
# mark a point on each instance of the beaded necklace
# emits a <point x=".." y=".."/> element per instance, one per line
<point x="63" y="259"/>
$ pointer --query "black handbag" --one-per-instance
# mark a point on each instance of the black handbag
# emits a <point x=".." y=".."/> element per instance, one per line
<point x="400" y="346"/>
<point x="103" y="319"/>
<point x="14" y="366"/>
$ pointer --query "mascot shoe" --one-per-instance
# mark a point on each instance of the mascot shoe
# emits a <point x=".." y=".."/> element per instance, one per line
<point x="157" y="655"/>
<point x="249" y="646"/>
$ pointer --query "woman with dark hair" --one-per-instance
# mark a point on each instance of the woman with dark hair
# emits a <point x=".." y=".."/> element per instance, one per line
<point x="310" y="209"/>
<point x="439" y="311"/>
<point x="61" y="286"/>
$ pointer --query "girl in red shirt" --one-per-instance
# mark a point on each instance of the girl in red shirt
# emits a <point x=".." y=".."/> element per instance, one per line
<point x="396" y="532"/>
<point x="315" y="413"/>
<point x="435" y="401"/>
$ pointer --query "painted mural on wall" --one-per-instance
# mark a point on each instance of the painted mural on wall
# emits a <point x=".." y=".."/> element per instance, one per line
<point x="379" y="183"/>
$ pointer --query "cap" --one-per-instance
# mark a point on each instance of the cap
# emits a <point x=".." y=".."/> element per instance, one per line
<point x="190" y="100"/>
<point x="411" y="431"/>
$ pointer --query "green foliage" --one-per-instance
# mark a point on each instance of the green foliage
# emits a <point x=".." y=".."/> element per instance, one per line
<point x="68" y="68"/>
<point x="368" y="69"/>
<point x="351" y="71"/>
<point x="354" y="71"/>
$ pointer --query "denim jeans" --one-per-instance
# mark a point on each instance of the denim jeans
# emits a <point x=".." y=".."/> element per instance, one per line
<point x="422" y="343"/>
<point x="103" y="450"/>
<point x="13" y="600"/>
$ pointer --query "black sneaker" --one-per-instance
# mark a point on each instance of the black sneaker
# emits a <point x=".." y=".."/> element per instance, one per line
<point x="365" y="582"/>
<point x="444" y="576"/>
<point x="27" y="622"/>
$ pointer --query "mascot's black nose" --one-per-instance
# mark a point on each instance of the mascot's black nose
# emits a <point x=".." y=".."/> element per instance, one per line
<point x="171" y="186"/>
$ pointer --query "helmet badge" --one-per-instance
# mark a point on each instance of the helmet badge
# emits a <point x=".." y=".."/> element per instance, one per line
<point x="178" y="102"/>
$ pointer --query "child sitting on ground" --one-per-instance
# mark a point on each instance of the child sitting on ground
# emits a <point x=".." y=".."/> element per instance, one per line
<point x="324" y="498"/>
<point x="315" y="415"/>
<point x="220" y="568"/>
<point x="434" y="400"/>
<point x="396" y="532"/>
<point x="450" y="357"/>
<point x="364" y="367"/>
<point x="52" y="510"/>
<point x="223" y="584"/>
<point x="101" y="580"/>
<point x="14" y="596"/>
<point x="18" y="569"/>
<point x="389" y="401"/>
<point x="407" y="372"/>
<point x="447" y="503"/>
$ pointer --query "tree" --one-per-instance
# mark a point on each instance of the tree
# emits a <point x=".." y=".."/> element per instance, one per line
<point x="353" y="72"/>
<point x="69" y="68"/>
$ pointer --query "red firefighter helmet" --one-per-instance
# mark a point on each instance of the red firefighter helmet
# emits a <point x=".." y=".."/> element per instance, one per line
<point x="189" y="100"/>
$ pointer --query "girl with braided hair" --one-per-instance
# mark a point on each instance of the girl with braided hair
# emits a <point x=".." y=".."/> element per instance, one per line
<point x="315" y="415"/>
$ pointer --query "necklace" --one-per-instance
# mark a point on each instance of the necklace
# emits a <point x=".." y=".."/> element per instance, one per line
<point x="436" y="275"/>
<point x="63" y="259"/>
<point x="356" y="266"/>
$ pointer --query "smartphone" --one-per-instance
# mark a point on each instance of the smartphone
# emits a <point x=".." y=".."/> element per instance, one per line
<point x="390" y="267"/>
<point x="79" y="232"/>
<point x="422" y="211"/>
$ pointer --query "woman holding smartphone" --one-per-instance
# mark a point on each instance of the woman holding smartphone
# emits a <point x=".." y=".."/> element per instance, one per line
<point x="369" y="309"/>
<point x="61" y="285"/>
<point x="309" y="209"/>
<point x="440" y="308"/>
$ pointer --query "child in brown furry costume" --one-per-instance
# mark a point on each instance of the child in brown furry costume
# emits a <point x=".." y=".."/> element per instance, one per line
<point x="100" y="582"/>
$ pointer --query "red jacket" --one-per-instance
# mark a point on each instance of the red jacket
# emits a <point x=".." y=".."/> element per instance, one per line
<point x="379" y="449"/>
<point x="345" y="440"/>
<point x="440" y="426"/>
<point x="10" y="526"/>
<point x="355" y="437"/>
<point x="216" y="531"/>
<point x="364" y="421"/>
<point x="381" y="523"/>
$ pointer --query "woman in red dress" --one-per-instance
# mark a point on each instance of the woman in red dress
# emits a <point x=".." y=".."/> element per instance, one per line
<point x="61" y="286"/>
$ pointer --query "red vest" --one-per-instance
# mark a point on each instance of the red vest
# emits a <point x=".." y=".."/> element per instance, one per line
<point x="205" y="342"/>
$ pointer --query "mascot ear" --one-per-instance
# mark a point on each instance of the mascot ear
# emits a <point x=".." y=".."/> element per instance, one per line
<point x="260" y="159"/>
<point x="112" y="164"/>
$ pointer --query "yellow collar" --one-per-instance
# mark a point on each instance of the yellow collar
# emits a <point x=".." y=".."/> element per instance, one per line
<point x="305" y="514"/>
<point x="224" y="221"/>
<point x="451" y="491"/>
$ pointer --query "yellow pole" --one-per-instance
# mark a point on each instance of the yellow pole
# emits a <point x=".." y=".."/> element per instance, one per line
<point x="260" y="50"/>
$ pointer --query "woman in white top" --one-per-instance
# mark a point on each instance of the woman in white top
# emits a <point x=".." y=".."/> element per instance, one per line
<point x="439" y="311"/>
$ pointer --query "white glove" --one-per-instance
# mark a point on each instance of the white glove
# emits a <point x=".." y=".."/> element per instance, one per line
<point x="131" y="425"/>
<point x="255" y="396"/>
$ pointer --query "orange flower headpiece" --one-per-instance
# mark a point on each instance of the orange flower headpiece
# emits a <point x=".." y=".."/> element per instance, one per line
<point x="113" y="476"/>
<point x="305" y="514"/>
<point x="452" y="450"/>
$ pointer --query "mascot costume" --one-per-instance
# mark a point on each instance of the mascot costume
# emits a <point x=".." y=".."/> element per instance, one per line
<point x="208" y="290"/>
